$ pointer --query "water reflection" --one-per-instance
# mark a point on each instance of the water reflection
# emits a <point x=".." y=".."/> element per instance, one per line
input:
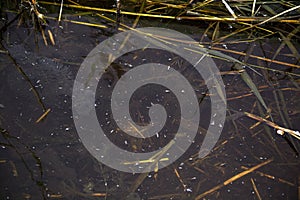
<point x="46" y="160"/>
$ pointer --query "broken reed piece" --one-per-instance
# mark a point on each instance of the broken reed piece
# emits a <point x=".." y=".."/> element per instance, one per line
<point x="43" y="115"/>
<point x="280" y="130"/>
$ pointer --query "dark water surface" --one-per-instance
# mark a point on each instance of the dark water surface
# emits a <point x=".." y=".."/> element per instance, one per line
<point x="47" y="160"/>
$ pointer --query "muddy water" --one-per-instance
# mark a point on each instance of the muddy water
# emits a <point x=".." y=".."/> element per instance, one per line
<point x="47" y="160"/>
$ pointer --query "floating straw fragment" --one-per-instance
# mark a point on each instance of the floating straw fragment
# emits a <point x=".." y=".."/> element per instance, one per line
<point x="60" y="10"/>
<point x="232" y="179"/>
<point x="255" y="189"/>
<point x="280" y="130"/>
<point x="43" y="115"/>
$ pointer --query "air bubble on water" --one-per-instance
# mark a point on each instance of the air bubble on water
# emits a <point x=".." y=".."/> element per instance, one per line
<point x="188" y="190"/>
<point x="157" y="135"/>
<point x="67" y="129"/>
<point x="220" y="125"/>
<point x="126" y="142"/>
<point x="167" y="91"/>
<point x="182" y="91"/>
